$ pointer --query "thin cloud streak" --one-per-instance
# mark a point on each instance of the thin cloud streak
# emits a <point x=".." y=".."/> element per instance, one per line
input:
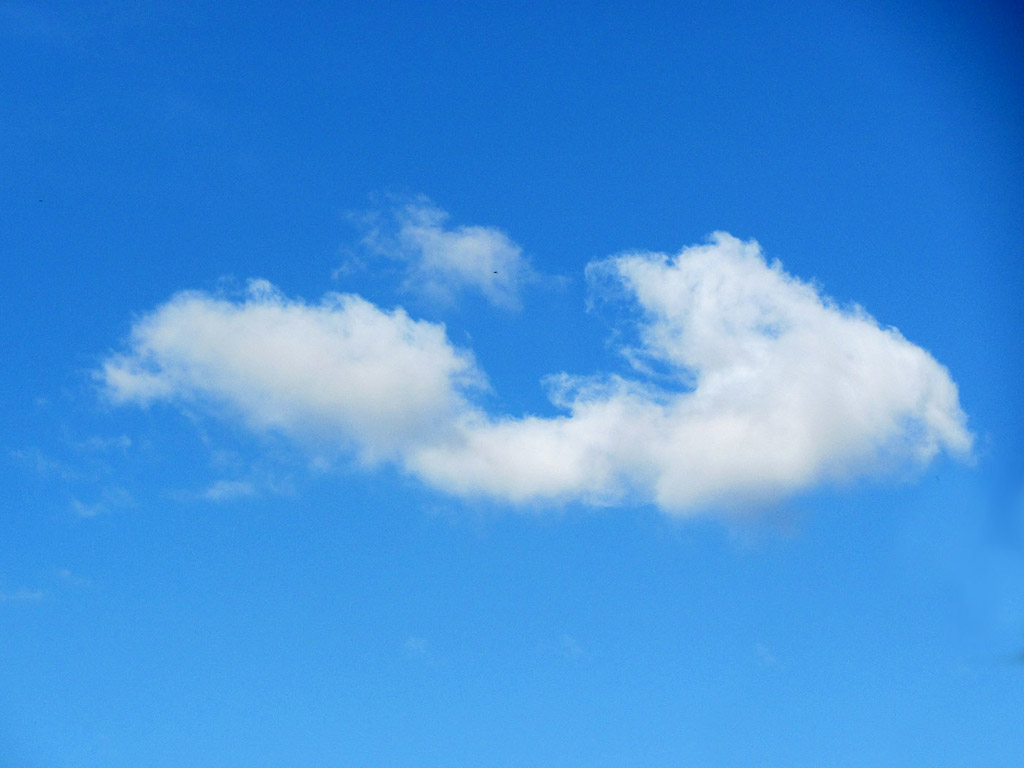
<point x="22" y="596"/>
<point x="229" y="490"/>
<point x="111" y="499"/>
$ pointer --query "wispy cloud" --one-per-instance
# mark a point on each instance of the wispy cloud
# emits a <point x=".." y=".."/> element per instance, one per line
<point x="36" y="461"/>
<point x="22" y="595"/>
<point x="229" y="490"/>
<point x="749" y="384"/>
<point x="100" y="443"/>
<point x="69" y="578"/>
<point x="765" y="657"/>
<point x="415" y="647"/>
<point x="441" y="261"/>
<point x="110" y="499"/>
<point x="571" y="647"/>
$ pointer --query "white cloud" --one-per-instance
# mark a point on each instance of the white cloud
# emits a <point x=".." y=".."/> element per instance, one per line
<point x="764" y="387"/>
<point x="35" y="460"/>
<point x="765" y="657"/>
<point x="110" y="499"/>
<point x="571" y="647"/>
<point x="415" y="647"/>
<point x="22" y="595"/>
<point x="342" y="369"/>
<point x="443" y="261"/>
<point x="783" y="390"/>
<point x="98" y="443"/>
<point x="229" y="490"/>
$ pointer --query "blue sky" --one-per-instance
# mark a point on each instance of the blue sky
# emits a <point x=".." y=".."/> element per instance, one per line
<point x="436" y="384"/>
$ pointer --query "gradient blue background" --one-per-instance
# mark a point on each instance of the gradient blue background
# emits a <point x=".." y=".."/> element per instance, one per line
<point x="354" y="618"/>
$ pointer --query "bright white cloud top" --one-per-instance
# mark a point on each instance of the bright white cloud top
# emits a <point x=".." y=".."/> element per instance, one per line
<point x="748" y="385"/>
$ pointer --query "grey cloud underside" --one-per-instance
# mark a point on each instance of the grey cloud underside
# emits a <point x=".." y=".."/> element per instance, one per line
<point x="785" y="390"/>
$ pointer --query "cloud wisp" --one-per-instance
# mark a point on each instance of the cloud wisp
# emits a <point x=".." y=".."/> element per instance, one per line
<point x="441" y="262"/>
<point x="748" y="385"/>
